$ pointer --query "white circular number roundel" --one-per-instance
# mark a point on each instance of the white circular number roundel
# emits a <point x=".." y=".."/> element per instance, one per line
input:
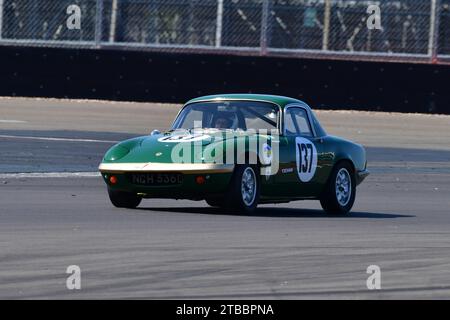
<point x="306" y="154"/>
<point x="184" y="138"/>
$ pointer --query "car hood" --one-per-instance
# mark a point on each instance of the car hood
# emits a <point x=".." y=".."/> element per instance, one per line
<point x="161" y="148"/>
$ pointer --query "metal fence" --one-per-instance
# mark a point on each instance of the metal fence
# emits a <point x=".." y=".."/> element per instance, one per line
<point x="410" y="30"/>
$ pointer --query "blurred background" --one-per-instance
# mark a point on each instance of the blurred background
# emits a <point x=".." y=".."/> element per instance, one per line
<point x="316" y="49"/>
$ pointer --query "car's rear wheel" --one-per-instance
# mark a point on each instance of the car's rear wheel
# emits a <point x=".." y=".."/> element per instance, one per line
<point x="244" y="189"/>
<point x="339" y="194"/>
<point x="121" y="199"/>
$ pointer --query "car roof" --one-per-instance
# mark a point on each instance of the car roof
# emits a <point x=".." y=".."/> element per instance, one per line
<point x="279" y="100"/>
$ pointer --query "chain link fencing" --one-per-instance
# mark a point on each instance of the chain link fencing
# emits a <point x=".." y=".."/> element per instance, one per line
<point x="407" y="30"/>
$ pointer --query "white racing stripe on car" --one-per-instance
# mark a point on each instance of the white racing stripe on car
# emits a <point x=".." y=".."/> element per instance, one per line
<point x="159" y="167"/>
<point x="49" y="175"/>
<point x="56" y="139"/>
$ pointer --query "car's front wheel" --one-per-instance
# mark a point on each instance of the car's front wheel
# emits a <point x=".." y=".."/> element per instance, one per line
<point x="121" y="199"/>
<point x="339" y="194"/>
<point x="244" y="189"/>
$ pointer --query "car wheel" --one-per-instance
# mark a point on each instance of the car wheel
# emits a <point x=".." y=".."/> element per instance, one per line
<point x="244" y="189"/>
<point x="339" y="194"/>
<point x="121" y="199"/>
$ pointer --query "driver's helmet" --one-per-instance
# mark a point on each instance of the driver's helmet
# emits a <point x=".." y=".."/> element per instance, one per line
<point x="222" y="121"/>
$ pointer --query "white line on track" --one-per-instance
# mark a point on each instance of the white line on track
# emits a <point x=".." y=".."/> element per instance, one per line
<point x="12" y="121"/>
<point x="49" y="175"/>
<point x="56" y="139"/>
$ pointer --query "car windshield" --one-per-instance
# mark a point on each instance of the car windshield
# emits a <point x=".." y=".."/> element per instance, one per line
<point x="234" y="115"/>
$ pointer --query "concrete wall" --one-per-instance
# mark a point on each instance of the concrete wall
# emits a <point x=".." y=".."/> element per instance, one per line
<point x="148" y="76"/>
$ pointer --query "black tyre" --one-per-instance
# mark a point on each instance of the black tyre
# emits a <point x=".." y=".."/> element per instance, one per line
<point x="121" y="199"/>
<point x="243" y="194"/>
<point x="339" y="194"/>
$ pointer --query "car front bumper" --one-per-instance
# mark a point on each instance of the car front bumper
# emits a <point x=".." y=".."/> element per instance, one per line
<point x="217" y="179"/>
<point x="361" y="175"/>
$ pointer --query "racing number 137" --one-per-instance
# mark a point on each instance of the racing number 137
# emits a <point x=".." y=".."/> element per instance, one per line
<point x="305" y="151"/>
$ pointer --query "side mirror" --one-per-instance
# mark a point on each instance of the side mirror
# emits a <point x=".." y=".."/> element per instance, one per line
<point x="155" y="132"/>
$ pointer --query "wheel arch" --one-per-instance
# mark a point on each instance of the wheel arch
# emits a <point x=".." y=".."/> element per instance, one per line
<point x="345" y="160"/>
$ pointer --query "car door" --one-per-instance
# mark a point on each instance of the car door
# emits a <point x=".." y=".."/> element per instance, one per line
<point x="300" y="155"/>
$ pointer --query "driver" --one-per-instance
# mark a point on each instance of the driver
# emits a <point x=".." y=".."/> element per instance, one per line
<point x="222" y="123"/>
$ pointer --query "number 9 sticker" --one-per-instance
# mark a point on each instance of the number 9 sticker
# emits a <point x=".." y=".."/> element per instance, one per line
<point x="306" y="154"/>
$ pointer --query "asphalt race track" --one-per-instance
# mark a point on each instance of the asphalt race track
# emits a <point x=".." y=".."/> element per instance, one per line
<point x="54" y="212"/>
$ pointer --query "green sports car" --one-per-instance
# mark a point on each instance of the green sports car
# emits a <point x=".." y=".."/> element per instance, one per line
<point x="235" y="151"/>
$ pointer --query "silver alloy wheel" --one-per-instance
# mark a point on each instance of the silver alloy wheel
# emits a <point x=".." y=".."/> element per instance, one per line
<point x="248" y="186"/>
<point x="343" y="187"/>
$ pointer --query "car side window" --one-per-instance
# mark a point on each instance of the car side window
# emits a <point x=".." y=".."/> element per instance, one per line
<point x="289" y="125"/>
<point x="297" y="122"/>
